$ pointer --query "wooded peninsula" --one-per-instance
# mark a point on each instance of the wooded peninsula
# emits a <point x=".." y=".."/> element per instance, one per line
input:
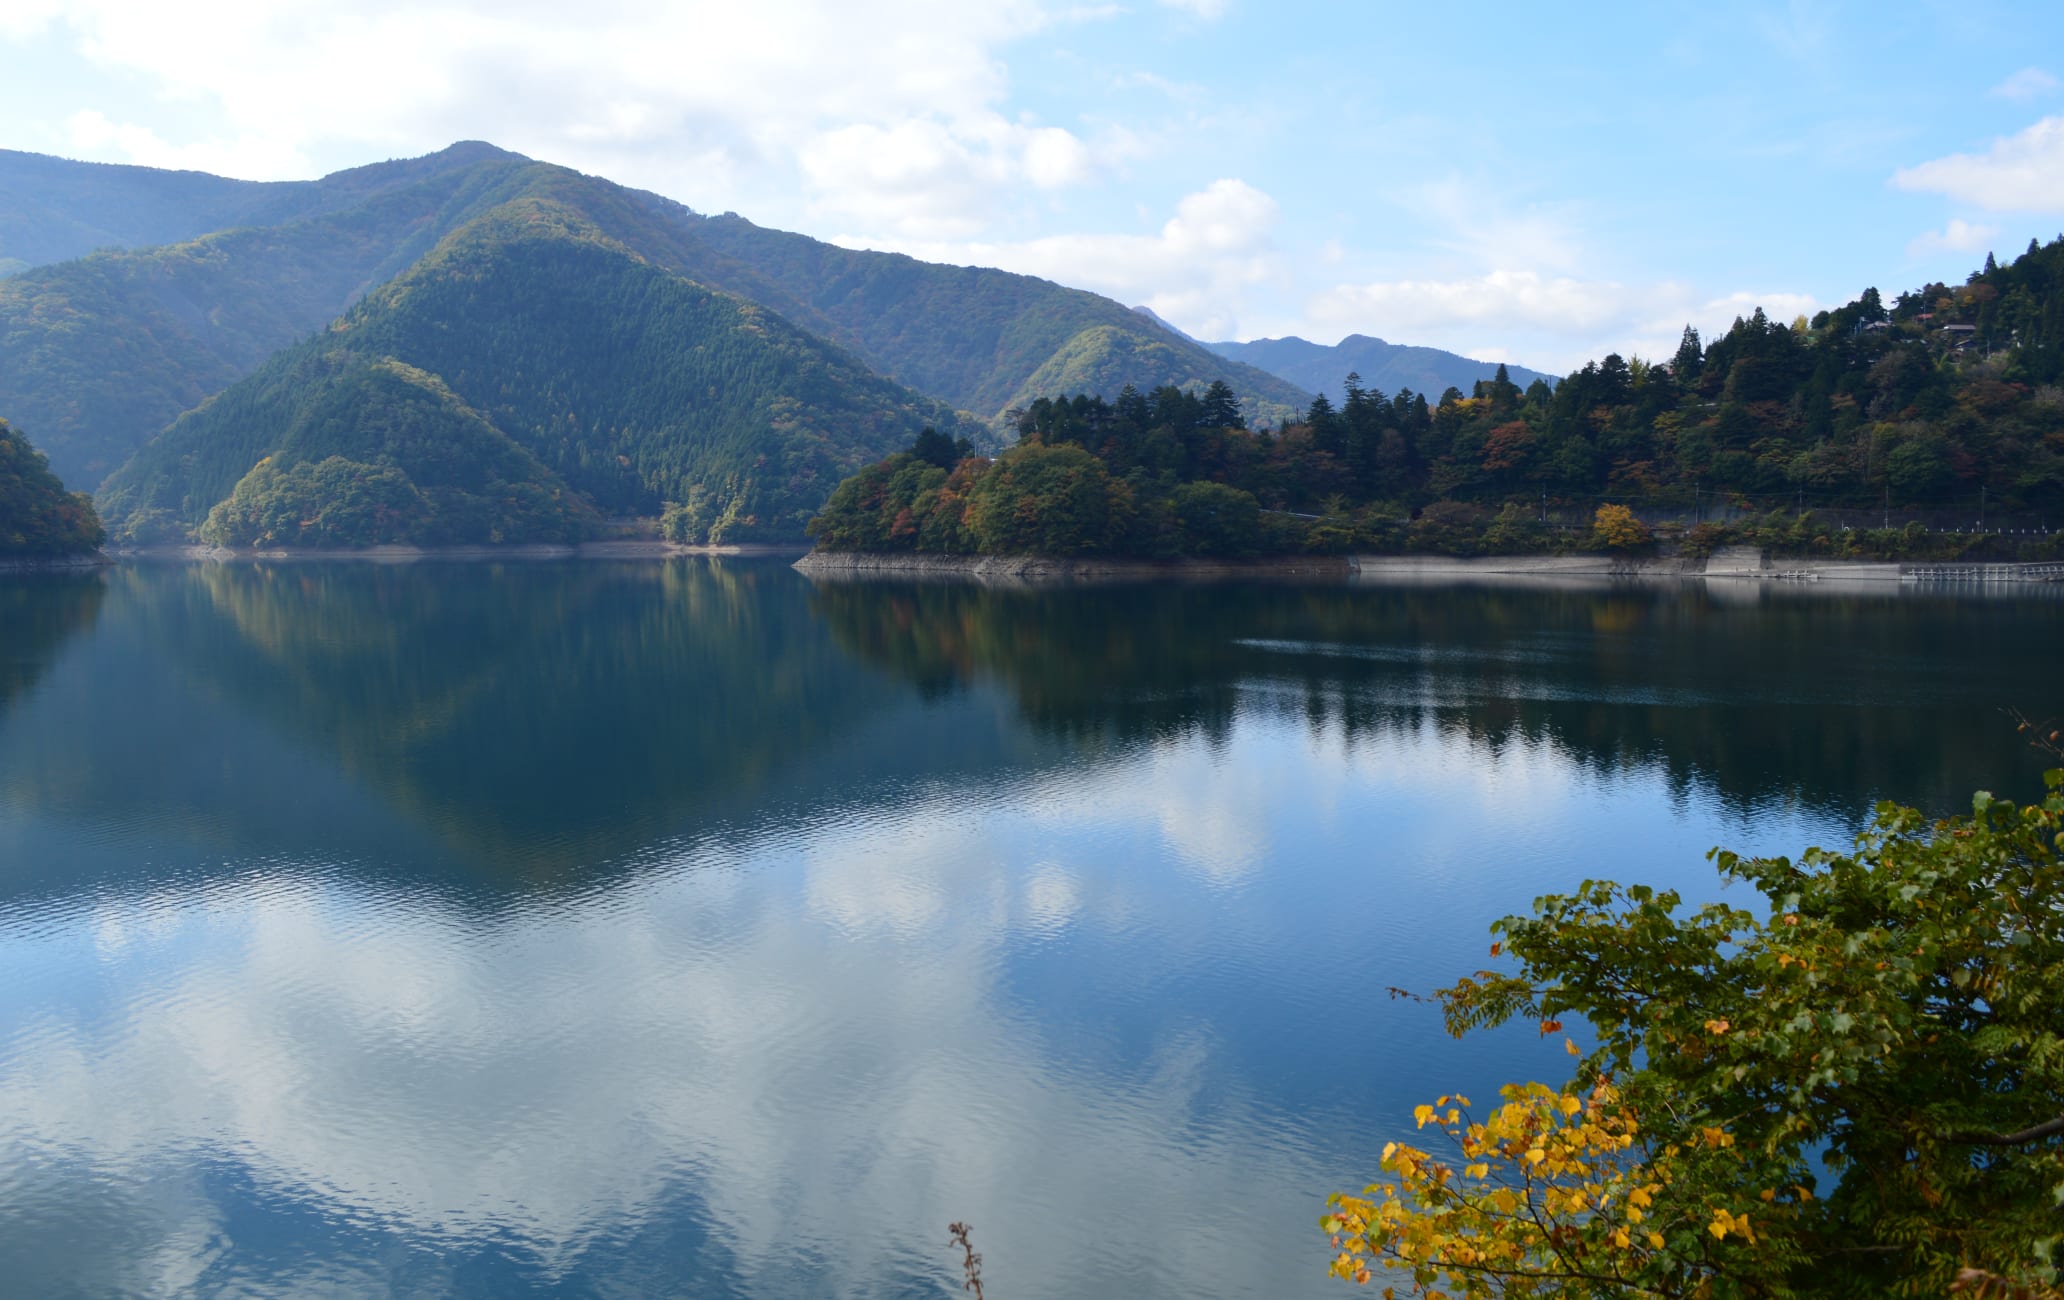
<point x="1872" y="431"/>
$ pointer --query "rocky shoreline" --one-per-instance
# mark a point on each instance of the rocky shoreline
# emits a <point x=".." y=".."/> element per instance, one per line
<point x="1733" y="564"/>
<point x="1035" y="569"/>
<point x="628" y="549"/>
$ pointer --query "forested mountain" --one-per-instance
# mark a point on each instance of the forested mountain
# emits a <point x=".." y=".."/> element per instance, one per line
<point x="55" y="209"/>
<point x="529" y="371"/>
<point x="985" y="340"/>
<point x="37" y="516"/>
<point x="184" y="321"/>
<point x="1382" y="367"/>
<point x="1951" y="396"/>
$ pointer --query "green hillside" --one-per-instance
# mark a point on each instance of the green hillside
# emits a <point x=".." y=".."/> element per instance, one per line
<point x="1104" y="359"/>
<point x="528" y="331"/>
<point x="250" y="269"/>
<point x="982" y="339"/>
<point x="56" y="209"/>
<point x="375" y="452"/>
<point x="182" y="322"/>
<point x="37" y="516"/>
<point x="1870" y="431"/>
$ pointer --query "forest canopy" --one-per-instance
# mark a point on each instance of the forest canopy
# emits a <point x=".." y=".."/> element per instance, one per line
<point x="1945" y="399"/>
<point x="526" y="377"/>
<point x="37" y="516"/>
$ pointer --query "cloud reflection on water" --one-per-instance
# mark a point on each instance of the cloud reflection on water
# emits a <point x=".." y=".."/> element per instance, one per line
<point x="820" y="919"/>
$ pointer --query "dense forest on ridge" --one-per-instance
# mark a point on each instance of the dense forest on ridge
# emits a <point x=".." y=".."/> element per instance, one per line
<point x="527" y="374"/>
<point x="248" y="270"/>
<point x="37" y="516"/>
<point x="1947" y="396"/>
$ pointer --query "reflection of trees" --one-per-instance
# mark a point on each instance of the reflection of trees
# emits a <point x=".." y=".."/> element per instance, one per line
<point x="535" y="717"/>
<point x="1834" y="700"/>
<point x="38" y="613"/>
<point x="539" y="718"/>
<point x="545" y="715"/>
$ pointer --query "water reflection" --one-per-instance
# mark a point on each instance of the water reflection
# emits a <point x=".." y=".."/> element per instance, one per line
<point x="647" y="929"/>
<point x="1764" y="695"/>
<point x="38" y="613"/>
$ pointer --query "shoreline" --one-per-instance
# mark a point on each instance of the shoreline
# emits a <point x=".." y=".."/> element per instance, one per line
<point x="54" y="563"/>
<point x="1730" y="565"/>
<point x="634" y="549"/>
<point x="1035" y="569"/>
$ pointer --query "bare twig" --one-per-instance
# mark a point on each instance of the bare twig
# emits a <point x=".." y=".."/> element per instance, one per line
<point x="970" y="1263"/>
<point x="2045" y="736"/>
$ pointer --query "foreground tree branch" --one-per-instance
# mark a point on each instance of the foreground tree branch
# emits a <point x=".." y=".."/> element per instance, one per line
<point x="2047" y="1129"/>
<point x="1745" y="1123"/>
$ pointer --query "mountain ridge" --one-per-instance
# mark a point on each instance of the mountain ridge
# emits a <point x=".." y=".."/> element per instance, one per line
<point x="184" y="320"/>
<point x="620" y="382"/>
<point x="1382" y="366"/>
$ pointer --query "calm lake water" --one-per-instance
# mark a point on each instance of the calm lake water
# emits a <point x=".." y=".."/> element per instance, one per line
<point x="683" y="928"/>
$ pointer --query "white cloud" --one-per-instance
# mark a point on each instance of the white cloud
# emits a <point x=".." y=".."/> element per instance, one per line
<point x="1488" y="229"/>
<point x="1525" y="298"/>
<point x="92" y="135"/>
<point x="2027" y="84"/>
<point x="21" y="19"/>
<point x="889" y="111"/>
<point x="1195" y="272"/>
<point x="835" y="1066"/>
<point x="1550" y="323"/>
<point x="1958" y="236"/>
<point x="2019" y="173"/>
<point x="1208" y="10"/>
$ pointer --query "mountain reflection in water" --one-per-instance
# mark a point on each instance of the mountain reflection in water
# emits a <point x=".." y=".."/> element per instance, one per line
<point x="688" y="928"/>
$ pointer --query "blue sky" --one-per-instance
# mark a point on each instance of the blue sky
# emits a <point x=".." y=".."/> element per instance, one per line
<point x="1503" y="180"/>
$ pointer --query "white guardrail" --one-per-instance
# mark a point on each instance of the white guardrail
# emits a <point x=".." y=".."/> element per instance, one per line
<point x="2052" y="572"/>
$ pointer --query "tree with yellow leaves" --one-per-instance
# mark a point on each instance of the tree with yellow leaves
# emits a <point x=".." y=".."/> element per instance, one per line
<point x="1616" y="529"/>
<point x="1892" y="1027"/>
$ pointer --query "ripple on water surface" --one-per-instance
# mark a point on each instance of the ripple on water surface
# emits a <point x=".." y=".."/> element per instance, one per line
<point x="738" y="943"/>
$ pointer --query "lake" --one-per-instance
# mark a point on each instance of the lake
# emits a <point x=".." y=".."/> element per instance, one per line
<point x="626" y="929"/>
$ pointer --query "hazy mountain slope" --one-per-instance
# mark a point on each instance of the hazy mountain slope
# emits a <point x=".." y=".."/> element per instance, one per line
<point x="378" y="452"/>
<point x="56" y="209"/>
<point x="1104" y="358"/>
<point x="631" y="384"/>
<point x="180" y="323"/>
<point x="972" y="336"/>
<point x="183" y="322"/>
<point x="1384" y="367"/>
<point x="37" y="515"/>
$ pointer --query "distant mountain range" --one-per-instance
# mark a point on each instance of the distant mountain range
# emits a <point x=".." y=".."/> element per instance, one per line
<point x="1383" y="367"/>
<point x="474" y="346"/>
<point x="175" y="308"/>
<point x="525" y="374"/>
